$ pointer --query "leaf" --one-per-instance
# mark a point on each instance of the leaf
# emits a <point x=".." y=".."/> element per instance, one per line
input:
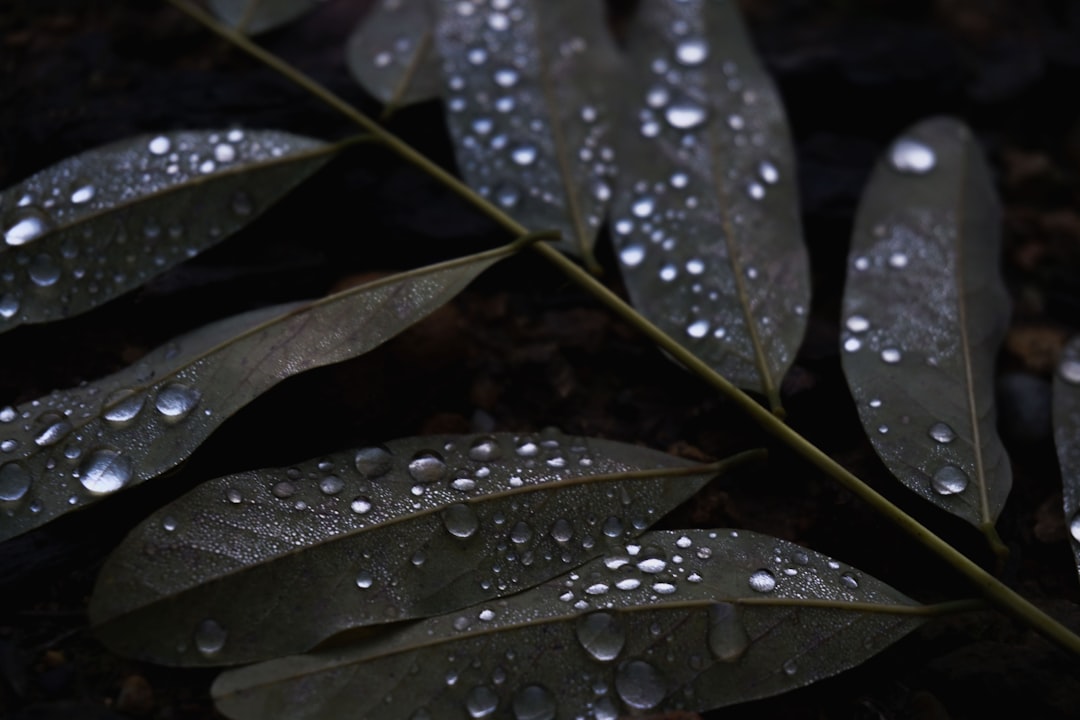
<point x="391" y="53"/>
<point x="706" y="216"/>
<point x="73" y="447"/>
<point x="688" y="620"/>
<point x="1067" y="437"/>
<point x="100" y="223"/>
<point x="527" y="110"/>
<point x="924" y="312"/>
<point x="258" y="16"/>
<point x="419" y="527"/>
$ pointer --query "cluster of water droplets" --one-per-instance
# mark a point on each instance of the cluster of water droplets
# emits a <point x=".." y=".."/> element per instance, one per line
<point x="100" y="223"/>
<point x="390" y="55"/>
<point x="525" y="109"/>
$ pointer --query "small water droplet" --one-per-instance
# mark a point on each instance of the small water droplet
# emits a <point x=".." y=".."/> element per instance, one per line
<point x="790" y="667"/>
<point x="481" y="702"/>
<point x="169" y="524"/>
<point x="528" y="449"/>
<point x="523" y="155"/>
<point x="331" y="485"/>
<point x="210" y="637"/>
<point x="43" y="271"/>
<point x="427" y="466"/>
<point x="698" y="329"/>
<point x="175" y="401"/>
<point x="857" y="324"/>
<point x="1074" y="526"/>
<point x="14" y="482"/>
<point x="852" y="344"/>
<point x="890" y="356"/>
<point x="373" y="462"/>
<point x="849" y="580"/>
<point x="521" y="533"/>
<point x="1070" y="371"/>
<point x="632" y="255"/>
<point x="460" y="520"/>
<point x="727" y="636"/>
<point x="898" y="260"/>
<point x="104" y="472"/>
<point x="684" y="115"/>
<point x="912" y="157"/>
<point x="84" y="193"/>
<point x="361" y="505"/>
<point x="768" y="172"/>
<point x="485" y="449"/>
<point x="159" y="145"/>
<point x="364" y="580"/>
<point x="691" y="52"/>
<point x="562" y="531"/>
<point x="224" y="153"/>
<point x="762" y="581"/>
<point x="601" y="635"/>
<point x="234" y="496"/>
<point x="283" y="490"/>
<point x="949" y="480"/>
<point x="942" y="433"/>
<point x="640" y="685"/>
<point x="9" y="305"/>
<point x="534" y="702"/>
<point x="507" y="196"/>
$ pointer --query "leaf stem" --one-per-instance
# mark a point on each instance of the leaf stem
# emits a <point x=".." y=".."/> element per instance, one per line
<point x="1006" y="599"/>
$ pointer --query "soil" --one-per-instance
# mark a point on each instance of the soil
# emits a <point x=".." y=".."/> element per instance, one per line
<point x="524" y="348"/>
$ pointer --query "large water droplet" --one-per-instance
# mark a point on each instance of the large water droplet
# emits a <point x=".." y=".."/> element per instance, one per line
<point x="691" y="52"/>
<point x="210" y="637"/>
<point x="427" y="467"/>
<point x="949" y="480"/>
<point x="534" y="702"/>
<point x="331" y="485"/>
<point x="640" y="685"/>
<point x="684" y="115"/>
<point x="460" y="520"/>
<point x="601" y="635"/>
<point x="912" y="157"/>
<point x="942" y="433"/>
<point x="727" y="636"/>
<point x="104" y="471"/>
<point x="373" y="462"/>
<point x="122" y="406"/>
<point x="562" y="531"/>
<point x="29" y="226"/>
<point x="14" y="482"/>
<point x="43" y="271"/>
<point x="485" y="449"/>
<point x="361" y="505"/>
<point x="762" y="581"/>
<point x="9" y="305"/>
<point x="364" y="580"/>
<point x="481" y="702"/>
<point x="632" y="255"/>
<point x="175" y="401"/>
<point x="159" y="145"/>
<point x="521" y="533"/>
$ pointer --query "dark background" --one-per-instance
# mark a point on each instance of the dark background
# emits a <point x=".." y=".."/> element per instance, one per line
<point x="523" y="348"/>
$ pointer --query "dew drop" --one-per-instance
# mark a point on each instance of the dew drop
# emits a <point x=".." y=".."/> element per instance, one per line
<point x="632" y="255"/>
<point x="83" y="194"/>
<point x="668" y="273"/>
<point x="224" y="153"/>
<point x="523" y="155"/>
<point x="949" y="480"/>
<point x="122" y="406"/>
<point x="43" y="271"/>
<point x="283" y="490"/>
<point x="912" y="157"/>
<point x="54" y="432"/>
<point x="762" y="581"/>
<point x="528" y="449"/>
<point x="30" y="224"/>
<point x="175" y="401"/>
<point x="210" y="637"/>
<point x="643" y="207"/>
<point x="849" y="580"/>
<point x="159" y="145"/>
<point x="942" y="433"/>
<point x="234" y="496"/>
<point x="485" y="449"/>
<point x="890" y="356"/>
<point x="521" y="533"/>
<point x="507" y="196"/>
<point x="698" y="329"/>
<point x="534" y="702"/>
<point x="104" y="472"/>
<point x="427" y="467"/>
<point x="14" y="482"/>
<point x="562" y="531"/>
<point x="691" y="52"/>
<point x="727" y="636"/>
<point x="640" y="685"/>
<point x="612" y="527"/>
<point x="331" y="485"/>
<point x="652" y="565"/>
<point x="373" y="462"/>
<point x="790" y="667"/>
<point x="1074" y="525"/>
<point x="364" y="580"/>
<point x="684" y="115"/>
<point x="361" y="505"/>
<point x="768" y="173"/>
<point x="9" y="305"/>
<point x="898" y="260"/>
<point x="601" y="635"/>
<point x="857" y="324"/>
<point x="460" y="520"/>
<point x="1070" y="371"/>
<point x="481" y="702"/>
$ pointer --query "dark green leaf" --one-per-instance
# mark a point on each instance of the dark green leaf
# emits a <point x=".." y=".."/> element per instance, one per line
<point x="71" y="448"/>
<point x="924" y="312"/>
<point x="677" y="620"/>
<point x="1067" y="438"/>
<point x="527" y="109"/>
<point x="101" y="223"/>
<point x="706" y="216"/>
<point x="257" y="16"/>
<point x="391" y="53"/>
<point x="419" y="527"/>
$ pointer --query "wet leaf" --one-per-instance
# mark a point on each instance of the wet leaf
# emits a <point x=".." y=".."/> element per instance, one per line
<point x="706" y="216"/>
<point x="1067" y="438"/>
<point x="677" y="620"/>
<point x="391" y="53"/>
<point x="418" y="527"/>
<point x="924" y="313"/>
<point x="73" y="447"/>
<point x="527" y="109"/>
<point x="104" y="222"/>
<point x="257" y="16"/>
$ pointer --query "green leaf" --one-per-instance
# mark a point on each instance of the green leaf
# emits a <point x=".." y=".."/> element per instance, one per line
<point x="706" y="216"/>
<point x="419" y="527"/>
<point x="98" y="224"/>
<point x="678" y="620"/>
<point x="71" y="448"/>
<point x="924" y="312"/>
<point x="527" y="110"/>
<point x="257" y="16"/>
<point x="391" y="53"/>
<point x="1067" y="438"/>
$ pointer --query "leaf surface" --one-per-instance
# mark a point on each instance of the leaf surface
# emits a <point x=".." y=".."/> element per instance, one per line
<point x="257" y="16"/>
<point x="391" y="53"/>
<point x="526" y="96"/>
<point x="706" y="215"/>
<point x="1067" y="438"/>
<point x="924" y="313"/>
<point x="419" y="527"/>
<point x="688" y="620"/>
<point x="73" y="447"/>
<point x="100" y="223"/>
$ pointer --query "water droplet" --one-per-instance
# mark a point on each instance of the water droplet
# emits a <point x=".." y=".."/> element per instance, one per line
<point x="691" y="52"/>
<point x="684" y="115"/>
<point x="481" y="702"/>
<point x="331" y="485"/>
<point x="159" y="145"/>
<point x="728" y="638"/>
<point x="849" y="580"/>
<point x="762" y="581"/>
<point x="427" y="467"/>
<point x="534" y="702"/>
<point x="485" y="449"/>
<point x="668" y="273"/>
<point x="1074" y="524"/>
<point x="169" y="524"/>
<point x="521" y="533"/>
<point x="912" y="157"/>
<point x="643" y="207"/>
<point x="1070" y="371"/>
<point x="224" y="153"/>
<point x="82" y="194"/>
<point x="652" y="565"/>
<point x="562" y="531"/>
<point x="755" y="190"/>
<point x="43" y="271"/>
<point x="9" y="305"/>
<point x="768" y="173"/>
<point x="175" y="401"/>
<point x="890" y="356"/>
<point x="14" y="482"/>
<point x="373" y="462"/>
<point x="857" y="324"/>
<point x="210" y="637"/>
<point x="507" y="196"/>
<point x="698" y="329"/>
<point x="104" y="471"/>
<point x="528" y="449"/>
<point x="460" y="520"/>
<point x="55" y="430"/>
<point x="361" y="505"/>
<point x="852" y="344"/>
<point x="601" y="635"/>
<point x="234" y="496"/>
<point x="640" y="685"/>
<point x="121" y="407"/>
<point x="898" y="260"/>
<point x="632" y="255"/>
<point x="30" y="224"/>
<point x="523" y="154"/>
<point x="790" y="667"/>
<point x="942" y="433"/>
<point x="364" y="580"/>
<point x="949" y="480"/>
<point x="612" y="527"/>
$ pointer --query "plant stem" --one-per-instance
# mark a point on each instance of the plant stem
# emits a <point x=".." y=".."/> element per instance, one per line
<point x="991" y="588"/>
